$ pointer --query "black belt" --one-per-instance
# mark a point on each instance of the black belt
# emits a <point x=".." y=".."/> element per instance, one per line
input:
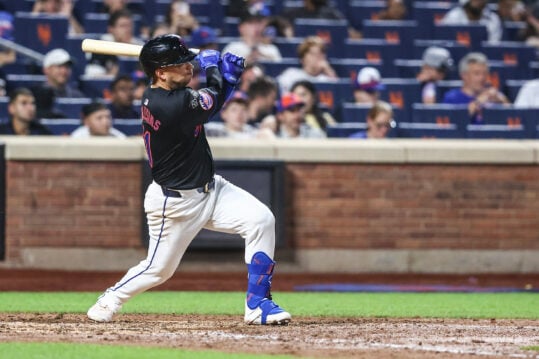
<point x="176" y="193"/>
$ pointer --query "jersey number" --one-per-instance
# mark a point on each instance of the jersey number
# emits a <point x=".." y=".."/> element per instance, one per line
<point x="146" y="137"/>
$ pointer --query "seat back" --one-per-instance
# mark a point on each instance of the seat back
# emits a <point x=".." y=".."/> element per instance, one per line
<point x="332" y="31"/>
<point x="40" y="32"/>
<point x="470" y="36"/>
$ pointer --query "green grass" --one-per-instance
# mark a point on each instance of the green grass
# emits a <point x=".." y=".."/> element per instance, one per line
<point x="428" y="305"/>
<point x="90" y="351"/>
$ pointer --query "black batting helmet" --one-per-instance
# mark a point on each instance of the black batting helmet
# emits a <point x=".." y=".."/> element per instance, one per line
<point x="164" y="50"/>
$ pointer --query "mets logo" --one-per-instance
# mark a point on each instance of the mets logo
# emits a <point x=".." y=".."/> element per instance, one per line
<point x="205" y="100"/>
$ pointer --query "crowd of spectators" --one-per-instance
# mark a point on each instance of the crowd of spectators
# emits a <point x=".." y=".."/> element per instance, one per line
<point x="286" y="103"/>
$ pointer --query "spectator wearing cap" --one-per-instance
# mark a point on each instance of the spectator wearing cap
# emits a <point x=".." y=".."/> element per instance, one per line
<point x="367" y="86"/>
<point x="379" y="122"/>
<point x="57" y="69"/>
<point x="314" y="65"/>
<point x="475" y="12"/>
<point x="22" y="115"/>
<point x="96" y="121"/>
<point x="234" y="117"/>
<point x="122" y="94"/>
<point x="250" y="45"/>
<point x="290" y="119"/>
<point x="204" y="38"/>
<point x="437" y="62"/>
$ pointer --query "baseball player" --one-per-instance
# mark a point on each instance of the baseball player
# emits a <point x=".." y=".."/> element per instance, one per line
<point x="186" y="195"/>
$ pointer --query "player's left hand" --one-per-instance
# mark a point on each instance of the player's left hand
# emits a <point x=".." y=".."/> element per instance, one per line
<point x="232" y="67"/>
<point x="209" y="58"/>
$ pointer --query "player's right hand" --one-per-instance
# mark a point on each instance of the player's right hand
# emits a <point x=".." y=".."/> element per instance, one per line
<point x="232" y="67"/>
<point x="209" y="58"/>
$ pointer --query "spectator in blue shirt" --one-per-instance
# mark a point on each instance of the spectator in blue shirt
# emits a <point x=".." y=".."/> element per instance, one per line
<point x="379" y="122"/>
<point x="476" y="91"/>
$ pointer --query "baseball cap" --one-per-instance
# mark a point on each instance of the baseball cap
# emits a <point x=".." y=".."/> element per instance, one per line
<point x="237" y="96"/>
<point x="288" y="101"/>
<point x="437" y="57"/>
<point x="57" y="57"/>
<point x="369" y="79"/>
<point x="6" y="25"/>
<point x="202" y="36"/>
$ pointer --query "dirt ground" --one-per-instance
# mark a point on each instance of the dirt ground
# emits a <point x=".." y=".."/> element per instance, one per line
<point x="304" y="337"/>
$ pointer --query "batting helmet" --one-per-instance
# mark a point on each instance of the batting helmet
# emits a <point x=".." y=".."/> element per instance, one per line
<point x="164" y="50"/>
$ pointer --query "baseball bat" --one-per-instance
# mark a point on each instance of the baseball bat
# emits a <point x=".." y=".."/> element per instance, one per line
<point x="114" y="48"/>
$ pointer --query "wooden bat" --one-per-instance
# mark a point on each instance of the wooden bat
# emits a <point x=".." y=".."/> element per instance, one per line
<point x="114" y="48"/>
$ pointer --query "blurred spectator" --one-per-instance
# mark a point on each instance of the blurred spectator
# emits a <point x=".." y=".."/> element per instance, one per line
<point x="511" y="10"/>
<point x="379" y="122"/>
<point x="476" y="91"/>
<point x="290" y="119"/>
<point x="111" y="6"/>
<point x="120" y="29"/>
<point x="7" y="56"/>
<point x="179" y="18"/>
<point x="234" y="115"/>
<point x="315" y="115"/>
<point x="22" y="115"/>
<point x="59" y="7"/>
<point x="239" y="8"/>
<point x="250" y="45"/>
<point x="45" y="103"/>
<point x="530" y="34"/>
<point x="367" y="86"/>
<point x="204" y="38"/>
<point x="437" y="62"/>
<point x="262" y="94"/>
<point x="96" y="121"/>
<point x="395" y="10"/>
<point x="314" y="65"/>
<point x="250" y="74"/>
<point x="57" y="69"/>
<point x="141" y="84"/>
<point x="528" y="95"/>
<point x="122" y="91"/>
<point x="475" y="12"/>
<point x="281" y="26"/>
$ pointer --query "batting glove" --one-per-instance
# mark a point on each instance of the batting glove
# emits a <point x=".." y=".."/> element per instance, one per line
<point x="232" y="67"/>
<point x="209" y="58"/>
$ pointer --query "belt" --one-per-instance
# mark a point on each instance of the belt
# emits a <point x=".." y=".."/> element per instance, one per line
<point x="177" y="193"/>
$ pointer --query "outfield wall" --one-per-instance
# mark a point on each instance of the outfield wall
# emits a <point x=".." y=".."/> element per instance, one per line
<point x="405" y="206"/>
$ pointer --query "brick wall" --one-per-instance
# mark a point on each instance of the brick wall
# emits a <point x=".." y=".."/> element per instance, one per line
<point x="409" y="206"/>
<point x="79" y="204"/>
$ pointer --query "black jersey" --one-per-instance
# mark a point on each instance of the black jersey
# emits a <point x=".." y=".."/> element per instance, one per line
<point x="173" y="131"/>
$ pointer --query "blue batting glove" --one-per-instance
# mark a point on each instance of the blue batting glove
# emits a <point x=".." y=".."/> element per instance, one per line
<point x="232" y="67"/>
<point x="209" y="58"/>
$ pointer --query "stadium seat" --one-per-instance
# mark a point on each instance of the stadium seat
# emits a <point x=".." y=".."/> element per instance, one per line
<point x="359" y="10"/>
<point x="511" y="30"/>
<point x="28" y="81"/>
<point x="13" y="7"/>
<point x="511" y="54"/>
<point x="61" y="126"/>
<point x="394" y="31"/>
<point x="428" y="130"/>
<point x="471" y="36"/>
<point x="230" y="26"/>
<point x="98" y="22"/>
<point x="42" y="33"/>
<point x="3" y="107"/>
<point x="442" y="115"/>
<point x="348" y="68"/>
<point x="344" y="130"/>
<point x="496" y="132"/>
<point x="332" y="93"/>
<point x="71" y="107"/>
<point x="130" y="127"/>
<point x="429" y="13"/>
<point x="353" y="113"/>
<point x="375" y="50"/>
<point x="334" y="32"/>
<point x="95" y="87"/>
<point x="512" y="87"/>
<point x="288" y="46"/>
<point x="523" y="120"/>
<point x="73" y="46"/>
<point x="446" y="85"/>
<point x="401" y="93"/>
<point x="275" y="68"/>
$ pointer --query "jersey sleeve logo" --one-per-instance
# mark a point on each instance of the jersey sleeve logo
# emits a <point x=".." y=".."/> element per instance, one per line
<point x="205" y="100"/>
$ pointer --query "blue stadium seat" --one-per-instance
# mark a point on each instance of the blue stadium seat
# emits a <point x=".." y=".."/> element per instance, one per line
<point x="428" y="13"/>
<point x="230" y="26"/>
<point x="288" y="46"/>
<point x="512" y="87"/>
<point x="42" y="33"/>
<point x="354" y="113"/>
<point x="428" y="130"/>
<point x="446" y="85"/>
<point x="28" y="81"/>
<point x="344" y="130"/>
<point x="515" y="119"/>
<point x="334" y="32"/>
<point x="511" y="54"/>
<point x="471" y="36"/>
<point x="394" y="31"/>
<point x="3" y="107"/>
<point x="61" y="126"/>
<point x="496" y="132"/>
<point x="375" y="50"/>
<point x="13" y="7"/>
<point x="73" y="46"/>
<point x="332" y="93"/>
<point x="98" y="22"/>
<point x="95" y="87"/>
<point x="511" y="30"/>
<point x="442" y="115"/>
<point x="348" y="68"/>
<point x="407" y="69"/>
<point x="130" y="127"/>
<point x="71" y="107"/>
<point x="359" y="10"/>
<point x="275" y="68"/>
<point x="401" y="93"/>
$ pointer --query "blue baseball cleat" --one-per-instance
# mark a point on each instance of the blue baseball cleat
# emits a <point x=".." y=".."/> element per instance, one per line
<point x="259" y="306"/>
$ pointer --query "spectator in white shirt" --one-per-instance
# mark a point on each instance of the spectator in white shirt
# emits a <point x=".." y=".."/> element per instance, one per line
<point x="528" y="95"/>
<point x="96" y="121"/>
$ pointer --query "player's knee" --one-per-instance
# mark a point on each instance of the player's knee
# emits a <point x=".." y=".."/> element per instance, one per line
<point x="265" y="220"/>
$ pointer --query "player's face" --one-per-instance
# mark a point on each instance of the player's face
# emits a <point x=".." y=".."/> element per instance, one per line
<point x="173" y="77"/>
<point x="23" y="108"/>
<point x="99" y="122"/>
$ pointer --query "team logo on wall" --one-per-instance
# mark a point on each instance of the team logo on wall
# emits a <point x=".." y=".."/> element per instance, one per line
<point x="205" y="100"/>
